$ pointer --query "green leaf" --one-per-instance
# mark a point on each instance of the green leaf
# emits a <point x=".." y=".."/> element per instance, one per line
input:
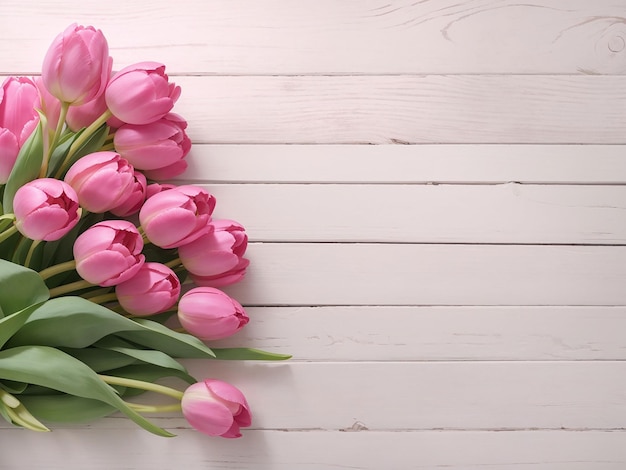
<point x="248" y="354"/>
<point x="93" y="144"/>
<point x="13" y="387"/>
<point x="172" y="343"/>
<point x="71" y="322"/>
<point x="148" y="356"/>
<point x="60" y="151"/>
<point x="11" y="324"/>
<point x="27" y="165"/>
<point x="148" y="373"/>
<point x="49" y="367"/>
<point x="21" y="287"/>
<point x="66" y="408"/>
<point x="100" y="360"/>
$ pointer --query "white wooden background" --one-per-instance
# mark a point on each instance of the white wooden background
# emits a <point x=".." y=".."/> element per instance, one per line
<point x="454" y="295"/>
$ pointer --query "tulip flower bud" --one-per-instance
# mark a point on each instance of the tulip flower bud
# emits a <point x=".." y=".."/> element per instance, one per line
<point x="177" y="216"/>
<point x="156" y="188"/>
<point x="135" y="199"/>
<point x="210" y="314"/>
<point x="19" y="99"/>
<point x="216" y="259"/>
<point x="45" y="209"/>
<point x="109" y="253"/>
<point x="153" y="289"/>
<point x="141" y="93"/>
<point x="216" y="408"/>
<point x="167" y="172"/>
<point x="77" y="66"/>
<point x="102" y="180"/>
<point x="156" y="145"/>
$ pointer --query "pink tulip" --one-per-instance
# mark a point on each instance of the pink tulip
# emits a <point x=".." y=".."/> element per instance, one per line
<point x="135" y="199"/>
<point x="216" y="259"/>
<point x="178" y="216"/>
<point x="156" y="188"/>
<point x="141" y="93"/>
<point x="102" y="180"/>
<point x="109" y="252"/>
<point x="77" y="66"/>
<point x="216" y="408"/>
<point x="19" y="99"/>
<point x="153" y="289"/>
<point x="167" y="172"/>
<point x="82" y="116"/>
<point x="45" y="209"/>
<point x="156" y="145"/>
<point x="210" y="314"/>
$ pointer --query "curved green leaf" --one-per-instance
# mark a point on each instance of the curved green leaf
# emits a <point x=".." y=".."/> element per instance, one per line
<point x="27" y="165"/>
<point x="156" y="336"/>
<point x="21" y="287"/>
<point x="148" y="356"/>
<point x="49" y="367"/>
<point x="11" y="324"/>
<point x="100" y="360"/>
<point x="66" y="408"/>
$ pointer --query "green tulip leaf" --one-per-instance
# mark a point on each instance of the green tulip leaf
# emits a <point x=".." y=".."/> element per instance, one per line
<point x="27" y="165"/>
<point x="148" y="356"/>
<point x="50" y="367"/>
<point x="248" y="354"/>
<point x="66" y="408"/>
<point x="13" y="387"/>
<point x="148" y="373"/>
<point x="11" y="324"/>
<point x="21" y="287"/>
<point x="100" y="360"/>
<point x="157" y="336"/>
<point x="60" y="152"/>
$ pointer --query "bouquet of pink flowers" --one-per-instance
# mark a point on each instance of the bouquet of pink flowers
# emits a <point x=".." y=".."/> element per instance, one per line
<point x="108" y="275"/>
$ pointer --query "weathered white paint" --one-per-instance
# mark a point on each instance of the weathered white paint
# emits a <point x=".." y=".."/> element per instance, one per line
<point x="462" y="324"/>
<point x="330" y="37"/>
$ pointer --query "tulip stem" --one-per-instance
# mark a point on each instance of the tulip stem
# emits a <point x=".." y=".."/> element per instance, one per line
<point x="81" y="139"/>
<point x="173" y="263"/>
<point x="9" y="232"/>
<point x="57" y="269"/>
<point x="104" y="298"/>
<point x="57" y="133"/>
<point x="154" y="409"/>
<point x="6" y="219"/>
<point x="71" y="287"/>
<point x="141" y="385"/>
<point x="31" y="251"/>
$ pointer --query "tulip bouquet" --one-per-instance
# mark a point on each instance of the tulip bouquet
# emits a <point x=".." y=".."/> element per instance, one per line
<point x="108" y="274"/>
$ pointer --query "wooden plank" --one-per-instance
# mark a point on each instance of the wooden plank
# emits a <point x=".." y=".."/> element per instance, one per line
<point x="102" y="449"/>
<point x="405" y="274"/>
<point x="405" y="109"/>
<point x="509" y="213"/>
<point x="436" y="333"/>
<point x="553" y="164"/>
<point x="325" y="36"/>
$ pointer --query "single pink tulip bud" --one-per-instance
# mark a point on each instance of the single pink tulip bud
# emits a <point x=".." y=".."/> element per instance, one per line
<point x="208" y="313"/>
<point x="135" y="199"/>
<point x="155" y="188"/>
<point x="102" y="180"/>
<point x="109" y="252"/>
<point x="153" y="289"/>
<point x="216" y="259"/>
<point x="216" y="408"/>
<point x="77" y="66"/>
<point x="45" y="209"/>
<point x="178" y="216"/>
<point x="141" y="93"/>
<point x="167" y="172"/>
<point x="19" y="100"/>
<point x="156" y="145"/>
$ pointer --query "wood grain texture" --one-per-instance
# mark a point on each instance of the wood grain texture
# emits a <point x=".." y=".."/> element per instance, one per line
<point x="360" y="333"/>
<point x="405" y="109"/>
<point x="407" y="274"/>
<point x="404" y="164"/>
<point x="325" y="36"/>
<point x="106" y="448"/>
<point x="509" y="213"/>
